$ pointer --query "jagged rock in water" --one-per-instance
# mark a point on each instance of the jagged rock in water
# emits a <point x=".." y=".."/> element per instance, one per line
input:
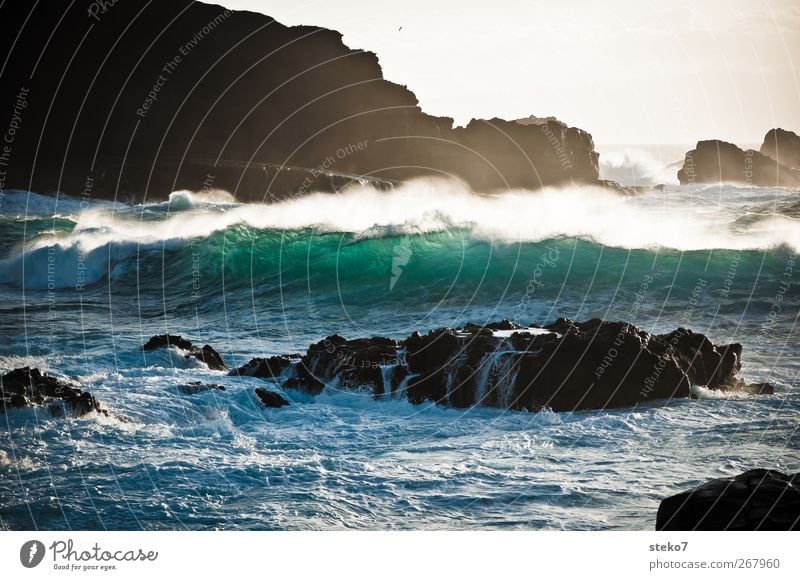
<point x="353" y="364"/>
<point x="783" y="146"/>
<point x="717" y="161"/>
<point x="27" y="387"/>
<point x="271" y="367"/>
<point x="565" y="366"/>
<point x="271" y="399"/>
<point x="205" y="354"/>
<point x="759" y="499"/>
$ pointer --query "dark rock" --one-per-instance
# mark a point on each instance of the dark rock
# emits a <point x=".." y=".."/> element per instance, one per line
<point x="782" y="146"/>
<point x="196" y="387"/>
<point x="571" y="366"/>
<point x="26" y="387"/>
<point x="428" y="358"/>
<point x="205" y="354"/>
<point x="313" y="100"/>
<point x="165" y="340"/>
<point x="271" y="398"/>
<point x="718" y="161"/>
<point x="271" y="367"/>
<point x="501" y="325"/>
<point x="759" y="499"/>
<point x="708" y="365"/>
<point x="354" y="364"/>
<point x="211" y="357"/>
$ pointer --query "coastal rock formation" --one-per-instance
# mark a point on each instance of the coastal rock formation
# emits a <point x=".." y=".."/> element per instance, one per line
<point x="718" y="161"/>
<point x="271" y="367"/>
<point x="565" y="366"/>
<point x="27" y="387"/>
<point x="759" y="499"/>
<point x="178" y="94"/>
<point x="783" y="146"/>
<point x="205" y="354"/>
<point x="271" y="399"/>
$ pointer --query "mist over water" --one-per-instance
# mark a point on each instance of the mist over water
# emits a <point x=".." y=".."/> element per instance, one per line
<point x="84" y="286"/>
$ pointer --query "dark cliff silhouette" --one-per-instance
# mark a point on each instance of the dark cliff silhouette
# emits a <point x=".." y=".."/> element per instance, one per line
<point x="717" y="161"/>
<point x="116" y="99"/>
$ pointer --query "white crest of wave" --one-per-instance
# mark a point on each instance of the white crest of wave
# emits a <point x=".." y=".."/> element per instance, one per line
<point x="636" y="167"/>
<point x="185" y="199"/>
<point x="677" y="219"/>
<point x="669" y="219"/>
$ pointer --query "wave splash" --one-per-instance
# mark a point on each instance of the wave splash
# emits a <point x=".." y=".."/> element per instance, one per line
<point x="103" y="241"/>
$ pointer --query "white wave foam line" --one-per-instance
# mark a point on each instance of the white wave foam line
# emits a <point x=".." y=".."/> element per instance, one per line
<point x="704" y="393"/>
<point x="102" y="238"/>
<point x="421" y="206"/>
<point x="185" y="199"/>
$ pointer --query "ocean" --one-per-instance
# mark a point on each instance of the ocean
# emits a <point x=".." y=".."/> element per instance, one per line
<point x="84" y="283"/>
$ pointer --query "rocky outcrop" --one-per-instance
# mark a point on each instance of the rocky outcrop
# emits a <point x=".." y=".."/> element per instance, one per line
<point x="565" y="366"/>
<point x="205" y="354"/>
<point x="185" y="95"/>
<point x="718" y="161"/>
<point x="271" y="399"/>
<point x="759" y="499"/>
<point x="272" y="367"/>
<point x="782" y="146"/>
<point x="27" y="387"/>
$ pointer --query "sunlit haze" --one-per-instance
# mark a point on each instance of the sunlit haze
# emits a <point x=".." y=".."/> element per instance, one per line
<point x="628" y="71"/>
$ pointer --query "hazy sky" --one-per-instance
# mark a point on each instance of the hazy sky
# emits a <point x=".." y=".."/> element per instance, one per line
<point x="628" y="71"/>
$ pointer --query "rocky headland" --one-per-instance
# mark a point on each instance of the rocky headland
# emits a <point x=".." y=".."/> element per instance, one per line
<point x="184" y="95"/>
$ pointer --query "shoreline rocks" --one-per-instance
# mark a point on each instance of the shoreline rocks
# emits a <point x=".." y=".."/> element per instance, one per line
<point x="759" y="499"/>
<point x="29" y="387"/>
<point x="565" y="366"/>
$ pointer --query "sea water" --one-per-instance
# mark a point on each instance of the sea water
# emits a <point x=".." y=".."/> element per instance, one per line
<point x="85" y="284"/>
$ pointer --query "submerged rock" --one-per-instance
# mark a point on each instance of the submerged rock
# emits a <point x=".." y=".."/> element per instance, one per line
<point x="27" y="387"/>
<point x="757" y="388"/>
<point x="717" y="161"/>
<point x="565" y="366"/>
<point x="199" y="387"/>
<point x="205" y="354"/>
<point x="759" y="499"/>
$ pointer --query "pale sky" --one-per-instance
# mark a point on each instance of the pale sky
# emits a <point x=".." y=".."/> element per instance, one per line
<point x="627" y="71"/>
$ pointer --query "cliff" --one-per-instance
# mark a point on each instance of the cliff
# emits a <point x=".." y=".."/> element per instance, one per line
<point x="118" y="99"/>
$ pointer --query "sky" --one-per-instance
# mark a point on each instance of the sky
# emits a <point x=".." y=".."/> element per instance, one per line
<point x="627" y="71"/>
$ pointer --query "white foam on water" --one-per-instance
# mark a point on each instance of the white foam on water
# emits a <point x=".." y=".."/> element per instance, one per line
<point x="685" y="219"/>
